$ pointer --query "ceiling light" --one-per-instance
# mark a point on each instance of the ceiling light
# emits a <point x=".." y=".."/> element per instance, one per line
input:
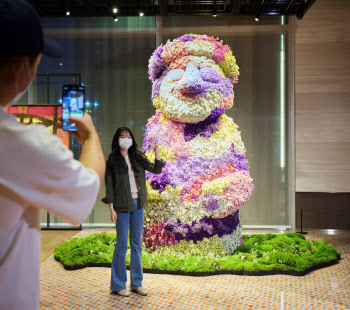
<point x="215" y="9"/>
<point x="258" y="13"/>
<point x="115" y="10"/>
<point x="257" y="17"/>
<point x="67" y="12"/>
<point x="141" y="13"/>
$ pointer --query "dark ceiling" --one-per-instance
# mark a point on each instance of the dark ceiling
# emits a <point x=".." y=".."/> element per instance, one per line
<point x="172" y="7"/>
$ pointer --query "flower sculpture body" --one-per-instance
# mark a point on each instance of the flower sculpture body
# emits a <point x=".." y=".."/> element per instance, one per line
<point x="193" y="206"/>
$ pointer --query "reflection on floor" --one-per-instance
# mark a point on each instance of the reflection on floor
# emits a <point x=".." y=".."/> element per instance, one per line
<point x="50" y="239"/>
<point x="88" y="288"/>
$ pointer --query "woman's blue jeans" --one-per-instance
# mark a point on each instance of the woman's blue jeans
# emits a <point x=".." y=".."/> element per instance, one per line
<point x="134" y="220"/>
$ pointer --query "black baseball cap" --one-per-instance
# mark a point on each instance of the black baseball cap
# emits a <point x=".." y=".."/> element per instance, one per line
<point x="21" y="32"/>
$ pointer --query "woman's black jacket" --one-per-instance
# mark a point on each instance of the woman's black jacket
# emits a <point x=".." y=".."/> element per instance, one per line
<point x="118" y="189"/>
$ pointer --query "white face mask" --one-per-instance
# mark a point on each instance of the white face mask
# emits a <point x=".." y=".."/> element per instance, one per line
<point x="20" y="94"/>
<point x="125" y="143"/>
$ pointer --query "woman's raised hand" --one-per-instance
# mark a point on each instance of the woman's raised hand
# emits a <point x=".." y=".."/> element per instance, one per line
<point x="155" y="147"/>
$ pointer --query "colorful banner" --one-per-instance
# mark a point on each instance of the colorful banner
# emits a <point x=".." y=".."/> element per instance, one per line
<point x="48" y="115"/>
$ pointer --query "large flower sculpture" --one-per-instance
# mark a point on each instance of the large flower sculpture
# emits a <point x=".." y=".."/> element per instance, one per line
<point x="193" y="206"/>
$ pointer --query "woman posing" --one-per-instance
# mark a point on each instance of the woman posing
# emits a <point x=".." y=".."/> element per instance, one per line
<point x="126" y="195"/>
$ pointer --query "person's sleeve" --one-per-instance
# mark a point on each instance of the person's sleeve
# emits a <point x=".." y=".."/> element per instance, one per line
<point x="155" y="167"/>
<point x="109" y="186"/>
<point x="53" y="180"/>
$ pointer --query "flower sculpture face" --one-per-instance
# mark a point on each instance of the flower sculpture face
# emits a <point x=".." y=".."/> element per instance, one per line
<point x="193" y="205"/>
<point x="192" y="76"/>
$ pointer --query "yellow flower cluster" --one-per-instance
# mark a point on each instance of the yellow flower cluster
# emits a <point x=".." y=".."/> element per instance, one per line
<point x="203" y="62"/>
<point x="199" y="47"/>
<point x="163" y="118"/>
<point x="226" y="129"/>
<point x="165" y="153"/>
<point x="171" y="192"/>
<point x="216" y="187"/>
<point x="157" y="103"/>
<point x="220" y="142"/>
<point x="152" y="194"/>
<point x="229" y="65"/>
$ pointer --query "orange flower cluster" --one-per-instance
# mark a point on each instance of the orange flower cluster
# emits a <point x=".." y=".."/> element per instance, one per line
<point x="174" y="51"/>
<point x="182" y="63"/>
<point x="193" y="190"/>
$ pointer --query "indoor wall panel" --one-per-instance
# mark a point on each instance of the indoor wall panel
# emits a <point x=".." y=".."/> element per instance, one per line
<point x="322" y="92"/>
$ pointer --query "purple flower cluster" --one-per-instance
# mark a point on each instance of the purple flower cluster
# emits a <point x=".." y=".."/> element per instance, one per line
<point x="158" y="182"/>
<point x="154" y="131"/>
<point x="205" y="128"/>
<point x="206" y="227"/>
<point x="201" y="80"/>
<point x="210" y="75"/>
<point x="157" y="83"/>
<point x="207" y="78"/>
<point x="210" y="202"/>
<point x="186" y="37"/>
<point x="156" y="64"/>
<point x="192" y="167"/>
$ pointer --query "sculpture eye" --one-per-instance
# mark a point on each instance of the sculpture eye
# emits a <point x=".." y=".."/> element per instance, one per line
<point x="210" y="75"/>
<point x="175" y="75"/>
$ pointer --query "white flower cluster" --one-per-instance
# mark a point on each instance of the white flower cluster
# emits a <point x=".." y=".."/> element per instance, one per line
<point x="199" y="47"/>
<point x="220" y="142"/>
<point x="169" y="206"/>
<point x="202" y="62"/>
<point x="186" y="111"/>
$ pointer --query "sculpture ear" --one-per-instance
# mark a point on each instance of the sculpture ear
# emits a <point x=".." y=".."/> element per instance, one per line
<point x="156" y="64"/>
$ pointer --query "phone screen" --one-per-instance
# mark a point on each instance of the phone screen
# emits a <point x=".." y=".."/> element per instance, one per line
<point x="72" y="105"/>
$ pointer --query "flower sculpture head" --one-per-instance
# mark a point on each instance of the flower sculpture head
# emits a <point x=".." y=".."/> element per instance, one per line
<point x="192" y="76"/>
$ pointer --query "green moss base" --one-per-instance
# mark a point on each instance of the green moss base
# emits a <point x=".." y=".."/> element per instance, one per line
<point x="260" y="254"/>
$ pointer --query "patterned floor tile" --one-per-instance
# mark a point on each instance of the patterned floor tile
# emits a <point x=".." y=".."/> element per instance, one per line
<point x="88" y="288"/>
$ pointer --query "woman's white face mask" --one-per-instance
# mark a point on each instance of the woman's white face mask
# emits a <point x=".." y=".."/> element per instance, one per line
<point x="18" y="93"/>
<point x="125" y="143"/>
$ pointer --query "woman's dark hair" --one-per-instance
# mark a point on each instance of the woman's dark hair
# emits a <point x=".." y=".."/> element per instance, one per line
<point x="115" y="159"/>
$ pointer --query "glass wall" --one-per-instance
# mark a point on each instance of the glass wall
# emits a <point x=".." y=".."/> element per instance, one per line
<point x="112" y="58"/>
<point x="260" y="104"/>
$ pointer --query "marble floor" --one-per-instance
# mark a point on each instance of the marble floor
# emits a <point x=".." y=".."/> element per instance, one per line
<point x="88" y="288"/>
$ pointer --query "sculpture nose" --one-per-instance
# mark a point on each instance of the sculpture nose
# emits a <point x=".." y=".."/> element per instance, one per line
<point x="192" y="80"/>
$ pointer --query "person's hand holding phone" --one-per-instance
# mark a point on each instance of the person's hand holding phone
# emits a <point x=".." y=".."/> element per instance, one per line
<point x="85" y="128"/>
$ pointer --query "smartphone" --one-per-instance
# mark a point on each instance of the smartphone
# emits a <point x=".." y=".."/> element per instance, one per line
<point x="73" y="101"/>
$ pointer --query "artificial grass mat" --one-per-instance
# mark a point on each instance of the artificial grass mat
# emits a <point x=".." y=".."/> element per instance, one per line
<point x="260" y="254"/>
